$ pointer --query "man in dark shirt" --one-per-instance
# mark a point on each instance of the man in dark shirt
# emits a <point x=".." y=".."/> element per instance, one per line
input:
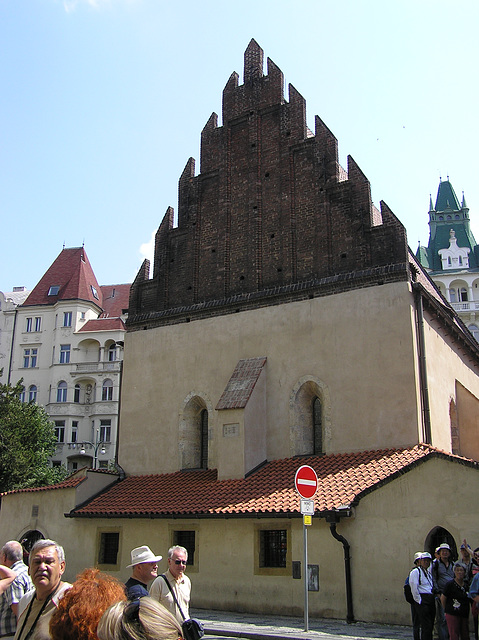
<point x="442" y="572"/>
<point x="145" y="569"/>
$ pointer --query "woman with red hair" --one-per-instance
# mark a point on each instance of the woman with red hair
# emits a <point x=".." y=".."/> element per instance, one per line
<point x="82" y="606"/>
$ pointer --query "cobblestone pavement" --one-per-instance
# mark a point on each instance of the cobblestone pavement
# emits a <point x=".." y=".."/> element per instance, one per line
<point x="256" y="627"/>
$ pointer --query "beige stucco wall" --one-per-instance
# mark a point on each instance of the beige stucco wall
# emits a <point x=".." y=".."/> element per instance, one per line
<point x="446" y="365"/>
<point x="388" y="526"/>
<point x="359" y="344"/>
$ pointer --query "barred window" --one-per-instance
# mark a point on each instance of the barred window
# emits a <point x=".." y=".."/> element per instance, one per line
<point x="187" y="540"/>
<point x="109" y="545"/>
<point x="273" y="548"/>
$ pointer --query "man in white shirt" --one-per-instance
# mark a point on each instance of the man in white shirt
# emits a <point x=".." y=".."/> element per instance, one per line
<point x="179" y="585"/>
<point x="421" y="583"/>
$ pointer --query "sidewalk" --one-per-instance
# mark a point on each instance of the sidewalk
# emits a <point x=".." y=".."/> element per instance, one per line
<point x="256" y="627"/>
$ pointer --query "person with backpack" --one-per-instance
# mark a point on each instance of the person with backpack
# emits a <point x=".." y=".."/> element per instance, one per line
<point x="422" y="590"/>
<point x="416" y="625"/>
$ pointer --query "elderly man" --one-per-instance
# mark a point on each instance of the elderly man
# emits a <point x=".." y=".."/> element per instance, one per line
<point x="173" y="588"/>
<point x="12" y="590"/>
<point x="46" y="567"/>
<point x="145" y="569"/>
<point x="443" y="572"/>
<point x="421" y="584"/>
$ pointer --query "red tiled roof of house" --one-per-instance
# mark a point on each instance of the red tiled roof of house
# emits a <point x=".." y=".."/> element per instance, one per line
<point x="69" y="483"/>
<point x="103" y="324"/>
<point x="115" y="299"/>
<point x="71" y="272"/>
<point x="241" y="384"/>
<point x="343" y="479"/>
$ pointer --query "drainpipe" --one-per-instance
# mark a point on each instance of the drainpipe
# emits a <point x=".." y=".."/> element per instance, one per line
<point x="11" y="347"/>
<point x="422" y="366"/>
<point x="333" y="518"/>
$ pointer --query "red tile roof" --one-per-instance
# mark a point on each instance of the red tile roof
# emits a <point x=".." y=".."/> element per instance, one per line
<point x="103" y="324"/>
<point x="69" y="483"/>
<point x="72" y="272"/>
<point x="343" y="480"/>
<point x="115" y="299"/>
<point x="241" y="384"/>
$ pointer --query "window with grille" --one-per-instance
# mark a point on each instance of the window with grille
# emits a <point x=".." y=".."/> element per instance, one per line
<point x="273" y="548"/>
<point x="108" y="549"/>
<point x="186" y="539"/>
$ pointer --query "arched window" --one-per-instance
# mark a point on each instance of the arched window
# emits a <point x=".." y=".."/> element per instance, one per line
<point x="107" y="390"/>
<point x="112" y="353"/>
<point x="317" y="427"/>
<point x="310" y="417"/>
<point x="32" y="393"/>
<point x="474" y="329"/>
<point x="62" y="391"/>
<point x="204" y="439"/>
<point x="194" y="434"/>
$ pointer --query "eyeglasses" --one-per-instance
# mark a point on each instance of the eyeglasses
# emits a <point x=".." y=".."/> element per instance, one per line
<point x="180" y="562"/>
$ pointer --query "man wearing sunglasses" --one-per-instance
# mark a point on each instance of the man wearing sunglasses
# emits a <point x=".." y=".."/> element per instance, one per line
<point x="173" y="588"/>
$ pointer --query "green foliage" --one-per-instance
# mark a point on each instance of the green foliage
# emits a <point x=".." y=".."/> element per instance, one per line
<point x="27" y="440"/>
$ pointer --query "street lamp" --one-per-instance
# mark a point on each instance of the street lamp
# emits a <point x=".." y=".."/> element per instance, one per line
<point x="99" y="443"/>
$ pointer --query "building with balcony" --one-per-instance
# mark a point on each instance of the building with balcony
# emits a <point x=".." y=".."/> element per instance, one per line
<point x="68" y="348"/>
<point x="452" y="255"/>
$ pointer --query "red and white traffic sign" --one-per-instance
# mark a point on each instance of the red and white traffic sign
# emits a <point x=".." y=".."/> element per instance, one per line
<point x="306" y="481"/>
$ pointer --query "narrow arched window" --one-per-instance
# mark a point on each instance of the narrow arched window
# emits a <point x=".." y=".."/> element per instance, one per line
<point x="317" y="427"/>
<point x="204" y="439"/>
<point x="112" y="353"/>
<point x="62" y="392"/>
<point x="107" y="390"/>
<point x="32" y="393"/>
<point x="76" y="394"/>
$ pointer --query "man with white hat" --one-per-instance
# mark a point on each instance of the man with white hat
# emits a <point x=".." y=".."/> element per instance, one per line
<point x="145" y="569"/>
<point x="442" y="572"/>
<point x="421" y="584"/>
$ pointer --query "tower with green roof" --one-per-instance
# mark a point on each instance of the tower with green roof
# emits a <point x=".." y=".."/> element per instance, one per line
<point x="452" y="254"/>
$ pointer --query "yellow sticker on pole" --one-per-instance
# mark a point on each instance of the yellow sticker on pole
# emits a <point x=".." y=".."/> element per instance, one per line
<point x="307" y="520"/>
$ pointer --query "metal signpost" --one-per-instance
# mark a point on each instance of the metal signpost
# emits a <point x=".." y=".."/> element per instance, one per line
<point x="306" y="484"/>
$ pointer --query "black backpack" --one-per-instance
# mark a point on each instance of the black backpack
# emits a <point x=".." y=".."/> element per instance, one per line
<point x="407" y="588"/>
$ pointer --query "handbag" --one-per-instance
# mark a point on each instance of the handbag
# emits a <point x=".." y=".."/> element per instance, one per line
<point x="192" y="629"/>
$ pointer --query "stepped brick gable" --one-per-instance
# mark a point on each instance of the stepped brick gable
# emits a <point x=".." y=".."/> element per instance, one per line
<point x="271" y="214"/>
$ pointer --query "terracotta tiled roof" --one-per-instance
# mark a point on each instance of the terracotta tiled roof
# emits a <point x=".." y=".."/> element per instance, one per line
<point x="115" y="299"/>
<point x="72" y="273"/>
<point x="103" y="324"/>
<point x="343" y="479"/>
<point x="69" y="483"/>
<point x="241" y="384"/>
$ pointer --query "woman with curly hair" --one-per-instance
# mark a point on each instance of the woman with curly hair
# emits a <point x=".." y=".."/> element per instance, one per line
<point x="143" y="619"/>
<point x="82" y="606"/>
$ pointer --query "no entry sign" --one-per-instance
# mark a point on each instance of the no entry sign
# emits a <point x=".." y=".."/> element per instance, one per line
<point x="306" y="481"/>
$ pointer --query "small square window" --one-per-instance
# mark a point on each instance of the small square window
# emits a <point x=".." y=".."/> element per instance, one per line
<point x="273" y="548"/>
<point x="53" y="291"/>
<point x="186" y="539"/>
<point x="94" y="292"/>
<point x="109" y="546"/>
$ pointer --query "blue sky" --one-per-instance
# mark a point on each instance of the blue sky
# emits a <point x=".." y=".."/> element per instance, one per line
<point x="103" y="102"/>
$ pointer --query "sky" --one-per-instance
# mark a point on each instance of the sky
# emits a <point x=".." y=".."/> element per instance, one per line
<point x="103" y="102"/>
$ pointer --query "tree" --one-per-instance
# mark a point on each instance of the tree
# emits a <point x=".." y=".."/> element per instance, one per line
<point x="27" y="440"/>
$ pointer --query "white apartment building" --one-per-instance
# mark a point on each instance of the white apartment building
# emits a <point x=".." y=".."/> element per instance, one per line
<point x="68" y="348"/>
